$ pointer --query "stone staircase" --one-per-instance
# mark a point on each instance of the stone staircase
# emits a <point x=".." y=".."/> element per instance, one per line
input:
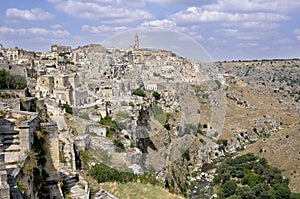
<point x="11" y="143"/>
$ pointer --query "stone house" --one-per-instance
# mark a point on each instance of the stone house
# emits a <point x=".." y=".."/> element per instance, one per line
<point x="13" y="54"/>
<point x="64" y="88"/>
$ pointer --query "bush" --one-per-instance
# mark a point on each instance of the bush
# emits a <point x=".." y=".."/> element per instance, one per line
<point x="229" y="187"/>
<point x="139" y="92"/>
<point x="156" y="95"/>
<point x="104" y="173"/>
<point x="67" y="108"/>
<point x="107" y="121"/>
<point x="119" y="145"/>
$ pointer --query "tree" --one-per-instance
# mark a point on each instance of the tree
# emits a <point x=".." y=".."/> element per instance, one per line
<point x="156" y="95"/>
<point x="229" y="187"/>
<point x="3" y="76"/>
<point x="248" y="176"/>
<point x="282" y="190"/>
<point x="9" y="81"/>
<point x="68" y="108"/>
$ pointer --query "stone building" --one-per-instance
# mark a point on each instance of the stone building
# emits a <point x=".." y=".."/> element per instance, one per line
<point x="61" y="49"/>
<point x="2" y="53"/>
<point x="2" y="49"/>
<point x="64" y="88"/>
<point x="13" y="54"/>
<point x="45" y="86"/>
<point x="136" y="42"/>
<point x="150" y="86"/>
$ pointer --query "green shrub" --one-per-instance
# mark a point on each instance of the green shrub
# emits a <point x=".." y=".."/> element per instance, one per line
<point x="139" y="92"/>
<point x="107" y="121"/>
<point x="119" y="145"/>
<point x="156" y="95"/>
<point x="67" y="108"/>
<point x="104" y="173"/>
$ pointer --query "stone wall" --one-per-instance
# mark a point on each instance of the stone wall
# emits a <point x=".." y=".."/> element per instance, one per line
<point x="11" y="103"/>
<point x="45" y="85"/>
<point x="4" y="187"/>
<point x="5" y="191"/>
<point x="14" y="69"/>
<point x="64" y="96"/>
<point x="82" y="142"/>
<point x="99" y="130"/>
<point x="27" y="128"/>
<point x="26" y="103"/>
<point x="17" y="93"/>
<point x="52" y="133"/>
<point x="80" y="98"/>
<point x="52" y="107"/>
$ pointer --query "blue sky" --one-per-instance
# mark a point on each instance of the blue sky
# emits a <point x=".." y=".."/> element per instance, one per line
<point x="226" y="29"/>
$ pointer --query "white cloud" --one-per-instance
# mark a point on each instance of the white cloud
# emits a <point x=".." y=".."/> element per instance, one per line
<point x="171" y="25"/>
<point x="179" y="2"/>
<point x="57" y="26"/>
<point x="254" y="5"/>
<point x="198" y="15"/>
<point x="229" y="31"/>
<point x="106" y="11"/>
<point x="103" y="29"/>
<point x="196" y="36"/>
<point x="260" y="25"/>
<point x="283" y="41"/>
<point x="33" y="14"/>
<point x="114" y="3"/>
<point x="165" y="23"/>
<point x="247" y="44"/>
<point x="252" y="25"/>
<point x="213" y="39"/>
<point x="297" y="32"/>
<point x="34" y="32"/>
<point x="249" y="35"/>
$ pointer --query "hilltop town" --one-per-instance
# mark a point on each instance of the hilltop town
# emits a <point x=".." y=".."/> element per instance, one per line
<point x="139" y="110"/>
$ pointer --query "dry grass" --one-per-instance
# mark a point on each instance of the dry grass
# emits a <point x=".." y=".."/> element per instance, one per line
<point x="138" y="191"/>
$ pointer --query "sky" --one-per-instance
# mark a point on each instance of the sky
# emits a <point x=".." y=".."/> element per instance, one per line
<point x="225" y="29"/>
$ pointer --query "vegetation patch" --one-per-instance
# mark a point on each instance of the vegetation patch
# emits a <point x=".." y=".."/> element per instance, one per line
<point x="159" y="114"/>
<point x="139" y="92"/>
<point x="9" y="81"/>
<point x="67" y="108"/>
<point x="104" y="173"/>
<point x="248" y="176"/>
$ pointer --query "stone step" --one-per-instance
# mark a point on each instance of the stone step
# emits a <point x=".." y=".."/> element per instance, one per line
<point x="8" y="131"/>
<point x="10" y="167"/>
<point x="70" y="181"/>
<point x="11" y="157"/>
<point x="12" y="141"/>
<point x="13" y="148"/>
<point x="11" y="136"/>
